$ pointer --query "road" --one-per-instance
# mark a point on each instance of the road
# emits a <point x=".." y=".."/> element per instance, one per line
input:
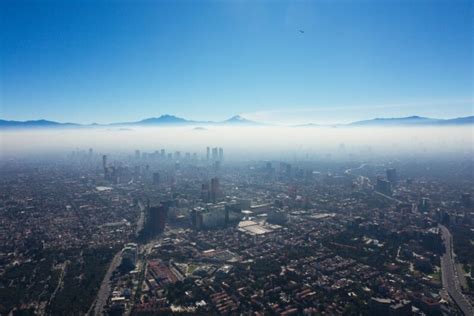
<point x="104" y="289"/>
<point x="349" y="171"/>
<point x="449" y="274"/>
<point x="97" y="307"/>
<point x="388" y="197"/>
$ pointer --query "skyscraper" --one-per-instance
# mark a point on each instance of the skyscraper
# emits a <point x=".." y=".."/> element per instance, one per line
<point x="383" y="186"/>
<point x="392" y="175"/>
<point x="156" y="219"/>
<point x="205" y="194"/>
<point x="104" y="165"/>
<point x="221" y="154"/>
<point x="215" y="189"/>
<point x="214" y="154"/>
<point x="208" y="153"/>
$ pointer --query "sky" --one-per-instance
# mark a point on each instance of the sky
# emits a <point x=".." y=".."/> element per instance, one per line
<point x="272" y="61"/>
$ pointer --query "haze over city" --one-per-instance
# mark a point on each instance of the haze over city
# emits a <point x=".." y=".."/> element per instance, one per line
<point x="236" y="157"/>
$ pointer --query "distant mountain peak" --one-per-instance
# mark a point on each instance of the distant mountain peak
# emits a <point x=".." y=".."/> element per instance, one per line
<point x="165" y="118"/>
<point x="408" y="120"/>
<point x="239" y="119"/>
<point x="169" y="116"/>
<point x="413" y="117"/>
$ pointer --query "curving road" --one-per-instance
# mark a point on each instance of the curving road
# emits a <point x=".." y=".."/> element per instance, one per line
<point x="449" y="275"/>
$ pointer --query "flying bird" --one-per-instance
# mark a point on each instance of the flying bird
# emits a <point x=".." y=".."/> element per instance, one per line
<point x="301" y="31"/>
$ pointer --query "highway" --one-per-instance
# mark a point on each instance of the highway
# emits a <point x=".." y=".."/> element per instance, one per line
<point x="104" y="290"/>
<point x="97" y="307"/>
<point x="449" y="274"/>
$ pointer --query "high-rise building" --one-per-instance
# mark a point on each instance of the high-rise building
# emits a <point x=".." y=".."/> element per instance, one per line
<point x="205" y="193"/>
<point x="130" y="253"/>
<point x="383" y="186"/>
<point x="104" y="165"/>
<point x="162" y="154"/>
<point x="208" y="153"/>
<point x="156" y="219"/>
<point x="215" y="154"/>
<point x="137" y="154"/>
<point x="221" y="154"/>
<point x="392" y="175"/>
<point x="215" y="189"/>
<point x="217" y="165"/>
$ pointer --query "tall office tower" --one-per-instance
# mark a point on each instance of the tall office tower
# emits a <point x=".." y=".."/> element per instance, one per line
<point x="392" y="175"/>
<point x="104" y="166"/>
<point x="208" y="153"/>
<point x="205" y="194"/>
<point x="137" y="154"/>
<point x="214" y="154"/>
<point x="177" y="155"/>
<point x="156" y="219"/>
<point x="221" y="154"/>
<point x="104" y="161"/>
<point x="383" y="186"/>
<point x="156" y="178"/>
<point x="215" y="189"/>
<point x="163" y="154"/>
<point x="91" y="152"/>
<point x="187" y="156"/>
<point x="114" y="174"/>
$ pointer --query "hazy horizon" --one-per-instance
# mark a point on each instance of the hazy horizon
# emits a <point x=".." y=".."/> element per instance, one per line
<point x="256" y="142"/>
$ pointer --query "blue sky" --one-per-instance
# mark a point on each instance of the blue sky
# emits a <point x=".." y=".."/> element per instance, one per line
<point x="108" y="61"/>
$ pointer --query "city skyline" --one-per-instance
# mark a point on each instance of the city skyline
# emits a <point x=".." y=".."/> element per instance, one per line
<point x="278" y="62"/>
<point x="271" y="157"/>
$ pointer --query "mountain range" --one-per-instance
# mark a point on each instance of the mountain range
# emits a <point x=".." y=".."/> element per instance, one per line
<point x="171" y="120"/>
